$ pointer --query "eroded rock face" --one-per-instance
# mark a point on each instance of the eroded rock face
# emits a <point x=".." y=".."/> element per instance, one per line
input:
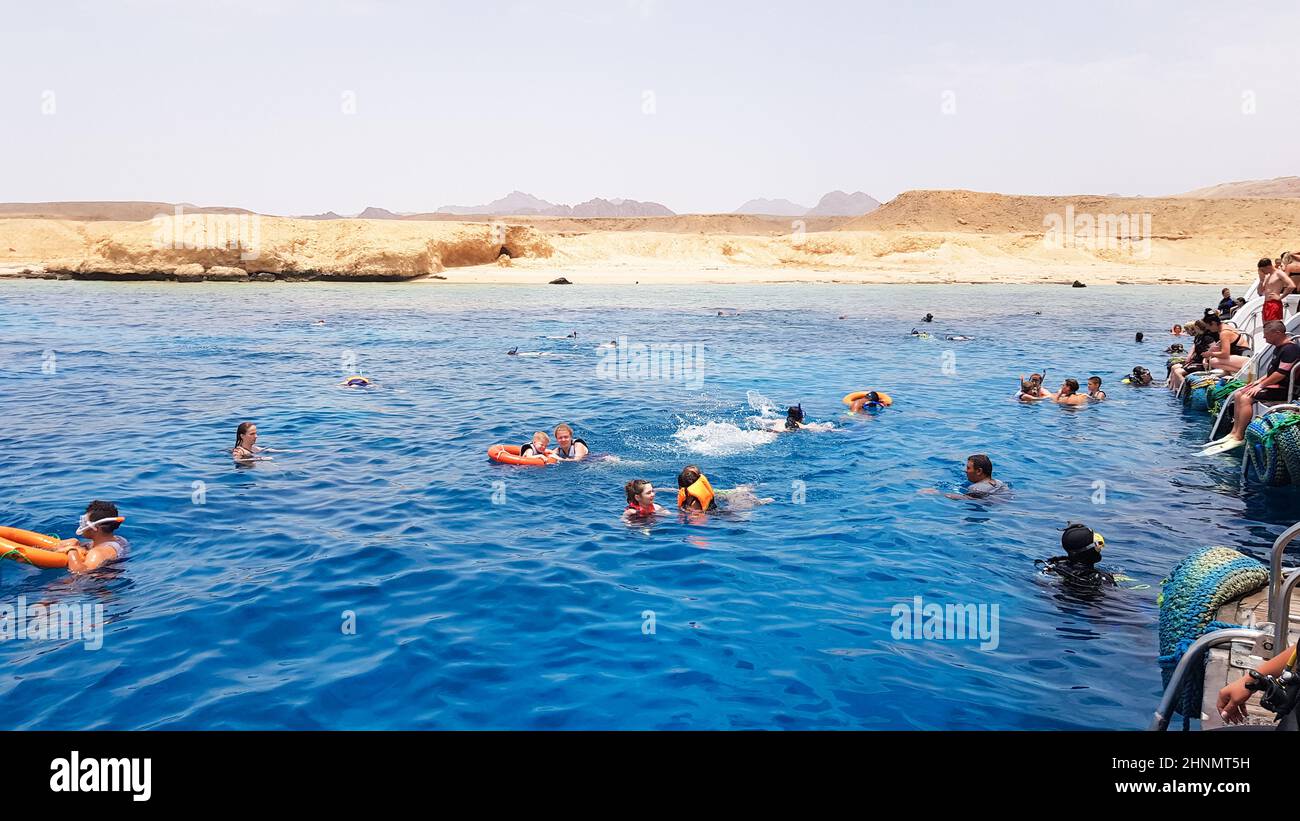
<point x="263" y="276"/>
<point x="224" y="273"/>
<point x="190" y="272"/>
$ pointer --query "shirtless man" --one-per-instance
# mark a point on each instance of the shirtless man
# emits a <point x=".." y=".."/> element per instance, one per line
<point x="1069" y="394"/>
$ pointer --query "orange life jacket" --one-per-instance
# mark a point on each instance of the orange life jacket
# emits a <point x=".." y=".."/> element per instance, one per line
<point x="701" y="490"/>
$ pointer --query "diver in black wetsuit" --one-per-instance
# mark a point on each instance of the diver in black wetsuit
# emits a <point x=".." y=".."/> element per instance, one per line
<point x="1079" y="564"/>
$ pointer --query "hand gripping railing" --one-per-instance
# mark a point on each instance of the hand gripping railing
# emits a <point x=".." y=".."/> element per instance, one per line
<point x="1160" y="721"/>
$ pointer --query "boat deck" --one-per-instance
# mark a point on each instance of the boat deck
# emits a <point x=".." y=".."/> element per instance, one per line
<point x="1227" y="664"/>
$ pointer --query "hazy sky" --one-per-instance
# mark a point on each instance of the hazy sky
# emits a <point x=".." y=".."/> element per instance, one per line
<point x="697" y="105"/>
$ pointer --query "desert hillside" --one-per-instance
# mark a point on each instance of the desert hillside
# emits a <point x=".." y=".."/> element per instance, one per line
<point x="1277" y="187"/>
<point x="343" y="249"/>
<point x="920" y="236"/>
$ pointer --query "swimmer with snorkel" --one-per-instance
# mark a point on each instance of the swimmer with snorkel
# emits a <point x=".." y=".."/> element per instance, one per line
<point x="98" y="524"/>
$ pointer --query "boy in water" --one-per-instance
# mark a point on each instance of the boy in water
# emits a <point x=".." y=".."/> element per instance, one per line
<point x="1094" y="389"/>
<point x="538" y="446"/>
<point x="99" y="524"/>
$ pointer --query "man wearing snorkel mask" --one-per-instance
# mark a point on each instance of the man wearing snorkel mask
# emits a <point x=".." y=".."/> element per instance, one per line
<point x="98" y="523"/>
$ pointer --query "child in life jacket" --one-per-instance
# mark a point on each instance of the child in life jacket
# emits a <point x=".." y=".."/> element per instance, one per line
<point x="640" y="500"/>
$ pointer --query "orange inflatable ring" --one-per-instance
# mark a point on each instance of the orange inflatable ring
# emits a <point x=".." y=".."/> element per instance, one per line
<point x="33" y="548"/>
<point x="509" y="455"/>
<point x="856" y="395"/>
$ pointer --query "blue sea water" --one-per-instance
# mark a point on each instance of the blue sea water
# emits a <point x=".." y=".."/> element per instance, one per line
<point x="489" y="596"/>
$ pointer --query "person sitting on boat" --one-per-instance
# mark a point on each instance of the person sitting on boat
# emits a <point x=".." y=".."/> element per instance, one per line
<point x="1226" y="305"/>
<point x="1232" y="698"/>
<point x="1195" y="361"/>
<point x="1095" y="392"/>
<point x="1271" y="387"/>
<point x="1231" y="351"/>
<point x="1032" y="389"/>
<point x="567" y="448"/>
<point x="1082" y="548"/>
<point x="537" y="447"/>
<point x="640" y="500"/>
<point x="1069" y="394"/>
<point x="98" y="524"/>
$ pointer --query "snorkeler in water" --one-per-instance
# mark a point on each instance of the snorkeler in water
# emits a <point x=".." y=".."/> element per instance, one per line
<point x="695" y="493"/>
<point x="1082" y="548"/>
<point x="98" y="524"/>
<point x="794" y="417"/>
<point x="928" y="318"/>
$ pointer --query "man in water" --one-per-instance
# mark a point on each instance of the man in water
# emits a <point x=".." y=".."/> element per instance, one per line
<point x="567" y="448"/>
<point x="98" y="523"/>
<point x="1271" y="387"/>
<point x="979" y="472"/>
<point x="1069" y="394"/>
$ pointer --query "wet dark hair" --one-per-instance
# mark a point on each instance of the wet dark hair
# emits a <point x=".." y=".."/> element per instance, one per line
<point x="1072" y="384"/>
<point x="634" y="489"/>
<point x="981" y="463"/>
<point x="1138" y="338"/>
<point x="689" y="476"/>
<point x="240" y="431"/>
<point x="99" y="509"/>
<point x="1265" y="263"/>
<point x="794" y="416"/>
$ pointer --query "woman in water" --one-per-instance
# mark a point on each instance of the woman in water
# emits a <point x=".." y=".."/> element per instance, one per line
<point x="246" y="448"/>
<point x="640" y="500"/>
<point x="567" y="448"/>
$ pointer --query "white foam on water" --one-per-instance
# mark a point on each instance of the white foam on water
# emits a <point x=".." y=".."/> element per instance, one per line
<point x="721" y="438"/>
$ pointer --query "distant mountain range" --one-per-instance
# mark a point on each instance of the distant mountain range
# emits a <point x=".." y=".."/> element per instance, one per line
<point x="517" y="203"/>
<point x="1249" y="189"/>
<point x="834" y="204"/>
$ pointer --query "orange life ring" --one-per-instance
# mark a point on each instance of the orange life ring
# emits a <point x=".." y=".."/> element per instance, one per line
<point x="35" y="549"/>
<point x="856" y="395"/>
<point x="509" y="455"/>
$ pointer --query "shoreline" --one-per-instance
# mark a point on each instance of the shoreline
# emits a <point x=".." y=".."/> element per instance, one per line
<point x="530" y="272"/>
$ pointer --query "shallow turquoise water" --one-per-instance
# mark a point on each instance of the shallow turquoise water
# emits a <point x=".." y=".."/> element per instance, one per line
<point x="529" y="613"/>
